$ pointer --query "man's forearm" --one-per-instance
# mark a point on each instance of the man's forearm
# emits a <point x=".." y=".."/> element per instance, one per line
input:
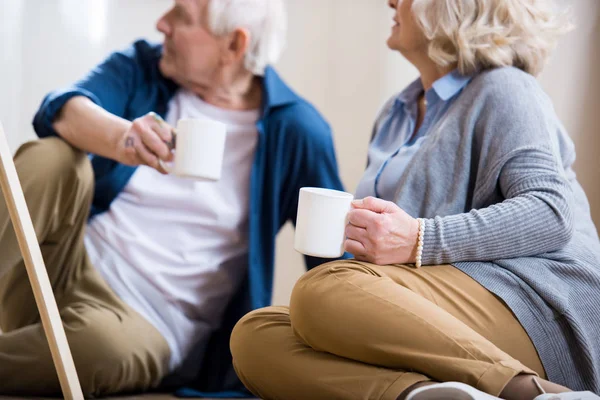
<point x="89" y="127"/>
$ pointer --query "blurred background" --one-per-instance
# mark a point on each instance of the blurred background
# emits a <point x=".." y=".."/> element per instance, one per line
<point x="336" y="57"/>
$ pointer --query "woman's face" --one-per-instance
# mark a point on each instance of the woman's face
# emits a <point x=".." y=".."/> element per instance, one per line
<point x="406" y="36"/>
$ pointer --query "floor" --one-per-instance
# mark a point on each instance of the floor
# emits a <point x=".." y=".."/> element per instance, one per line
<point x="137" y="397"/>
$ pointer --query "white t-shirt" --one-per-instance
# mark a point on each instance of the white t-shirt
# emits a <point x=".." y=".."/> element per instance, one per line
<point x="175" y="249"/>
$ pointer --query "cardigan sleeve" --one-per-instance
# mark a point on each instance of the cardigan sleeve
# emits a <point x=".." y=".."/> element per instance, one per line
<point x="518" y="135"/>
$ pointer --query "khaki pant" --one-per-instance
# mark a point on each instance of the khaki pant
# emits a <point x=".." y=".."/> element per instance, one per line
<point x="355" y="330"/>
<point x="114" y="348"/>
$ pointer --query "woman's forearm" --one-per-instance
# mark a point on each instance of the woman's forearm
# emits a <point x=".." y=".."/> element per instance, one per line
<point x="519" y="227"/>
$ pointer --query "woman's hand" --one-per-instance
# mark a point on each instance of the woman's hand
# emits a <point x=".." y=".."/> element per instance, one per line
<point x="380" y="232"/>
<point x="145" y="142"/>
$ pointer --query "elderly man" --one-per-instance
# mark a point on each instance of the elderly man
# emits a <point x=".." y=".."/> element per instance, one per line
<point x="151" y="271"/>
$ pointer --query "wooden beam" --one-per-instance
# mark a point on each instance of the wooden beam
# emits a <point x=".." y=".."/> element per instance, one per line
<point x="38" y="276"/>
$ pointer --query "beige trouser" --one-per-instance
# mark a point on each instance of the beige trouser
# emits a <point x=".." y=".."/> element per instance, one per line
<point x="114" y="348"/>
<point x="355" y="330"/>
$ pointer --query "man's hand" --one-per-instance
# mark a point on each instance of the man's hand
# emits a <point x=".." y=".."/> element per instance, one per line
<point x="380" y="232"/>
<point x="145" y="142"/>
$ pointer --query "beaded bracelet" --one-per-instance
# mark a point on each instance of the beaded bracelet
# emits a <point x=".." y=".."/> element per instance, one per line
<point x="420" y="242"/>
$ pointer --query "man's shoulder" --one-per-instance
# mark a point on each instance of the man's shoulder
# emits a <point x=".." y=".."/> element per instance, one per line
<point x="287" y="109"/>
<point x="141" y="56"/>
<point x="142" y="50"/>
<point x="300" y="113"/>
<point x="301" y="122"/>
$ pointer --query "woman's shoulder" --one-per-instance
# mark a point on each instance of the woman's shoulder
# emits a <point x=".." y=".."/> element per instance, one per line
<point x="508" y="85"/>
<point x="508" y="92"/>
<point x="501" y="74"/>
<point x="510" y="110"/>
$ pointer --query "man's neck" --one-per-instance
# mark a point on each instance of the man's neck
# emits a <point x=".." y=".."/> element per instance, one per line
<point x="243" y="92"/>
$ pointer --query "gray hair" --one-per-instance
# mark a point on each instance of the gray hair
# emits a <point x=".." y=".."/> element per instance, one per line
<point x="478" y="34"/>
<point x="265" y="20"/>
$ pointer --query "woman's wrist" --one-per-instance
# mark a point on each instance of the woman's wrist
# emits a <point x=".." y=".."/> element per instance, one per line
<point x="420" y="242"/>
<point x="414" y="240"/>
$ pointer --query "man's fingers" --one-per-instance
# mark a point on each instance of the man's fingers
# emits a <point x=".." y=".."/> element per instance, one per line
<point x="161" y="127"/>
<point x="147" y="156"/>
<point x="155" y="144"/>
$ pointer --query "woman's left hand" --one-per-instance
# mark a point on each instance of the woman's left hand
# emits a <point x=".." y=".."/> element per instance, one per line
<point x="381" y="233"/>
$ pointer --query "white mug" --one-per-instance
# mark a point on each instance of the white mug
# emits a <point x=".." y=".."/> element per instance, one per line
<point x="200" y="144"/>
<point x="321" y="222"/>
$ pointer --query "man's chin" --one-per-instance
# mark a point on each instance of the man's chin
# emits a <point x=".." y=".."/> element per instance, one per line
<point x="166" y="67"/>
<point x="168" y="70"/>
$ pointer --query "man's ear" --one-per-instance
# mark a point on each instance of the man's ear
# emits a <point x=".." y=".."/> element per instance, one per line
<point x="236" y="45"/>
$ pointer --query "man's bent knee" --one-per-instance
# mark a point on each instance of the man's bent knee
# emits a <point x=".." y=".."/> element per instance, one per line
<point x="50" y="161"/>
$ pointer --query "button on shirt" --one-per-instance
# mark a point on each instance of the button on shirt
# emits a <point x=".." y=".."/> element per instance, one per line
<point x="395" y="142"/>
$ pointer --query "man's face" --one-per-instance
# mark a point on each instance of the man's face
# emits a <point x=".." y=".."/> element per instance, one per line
<point x="191" y="53"/>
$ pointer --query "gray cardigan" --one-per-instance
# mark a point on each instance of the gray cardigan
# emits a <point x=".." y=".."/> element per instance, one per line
<point x="494" y="180"/>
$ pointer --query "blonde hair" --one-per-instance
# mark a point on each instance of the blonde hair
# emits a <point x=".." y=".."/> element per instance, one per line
<point x="481" y="34"/>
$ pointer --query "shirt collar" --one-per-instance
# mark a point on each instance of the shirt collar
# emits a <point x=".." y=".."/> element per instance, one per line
<point x="445" y="88"/>
<point x="276" y="92"/>
<point x="450" y="84"/>
<point x="412" y="91"/>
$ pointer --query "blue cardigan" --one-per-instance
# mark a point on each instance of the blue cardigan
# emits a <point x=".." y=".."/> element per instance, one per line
<point x="294" y="149"/>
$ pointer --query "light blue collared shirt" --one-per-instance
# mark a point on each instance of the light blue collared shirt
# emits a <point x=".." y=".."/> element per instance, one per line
<point x="395" y="142"/>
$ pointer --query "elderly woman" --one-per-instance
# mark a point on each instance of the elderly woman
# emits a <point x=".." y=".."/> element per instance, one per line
<point x="494" y="290"/>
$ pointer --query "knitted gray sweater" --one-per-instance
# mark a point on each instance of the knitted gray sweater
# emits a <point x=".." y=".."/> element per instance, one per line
<point x="494" y="180"/>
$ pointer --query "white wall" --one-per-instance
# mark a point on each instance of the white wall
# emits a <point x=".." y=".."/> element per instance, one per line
<point x="572" y="79"/>
<point x="48" y="43"/>
<point x="336" y="58"/>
